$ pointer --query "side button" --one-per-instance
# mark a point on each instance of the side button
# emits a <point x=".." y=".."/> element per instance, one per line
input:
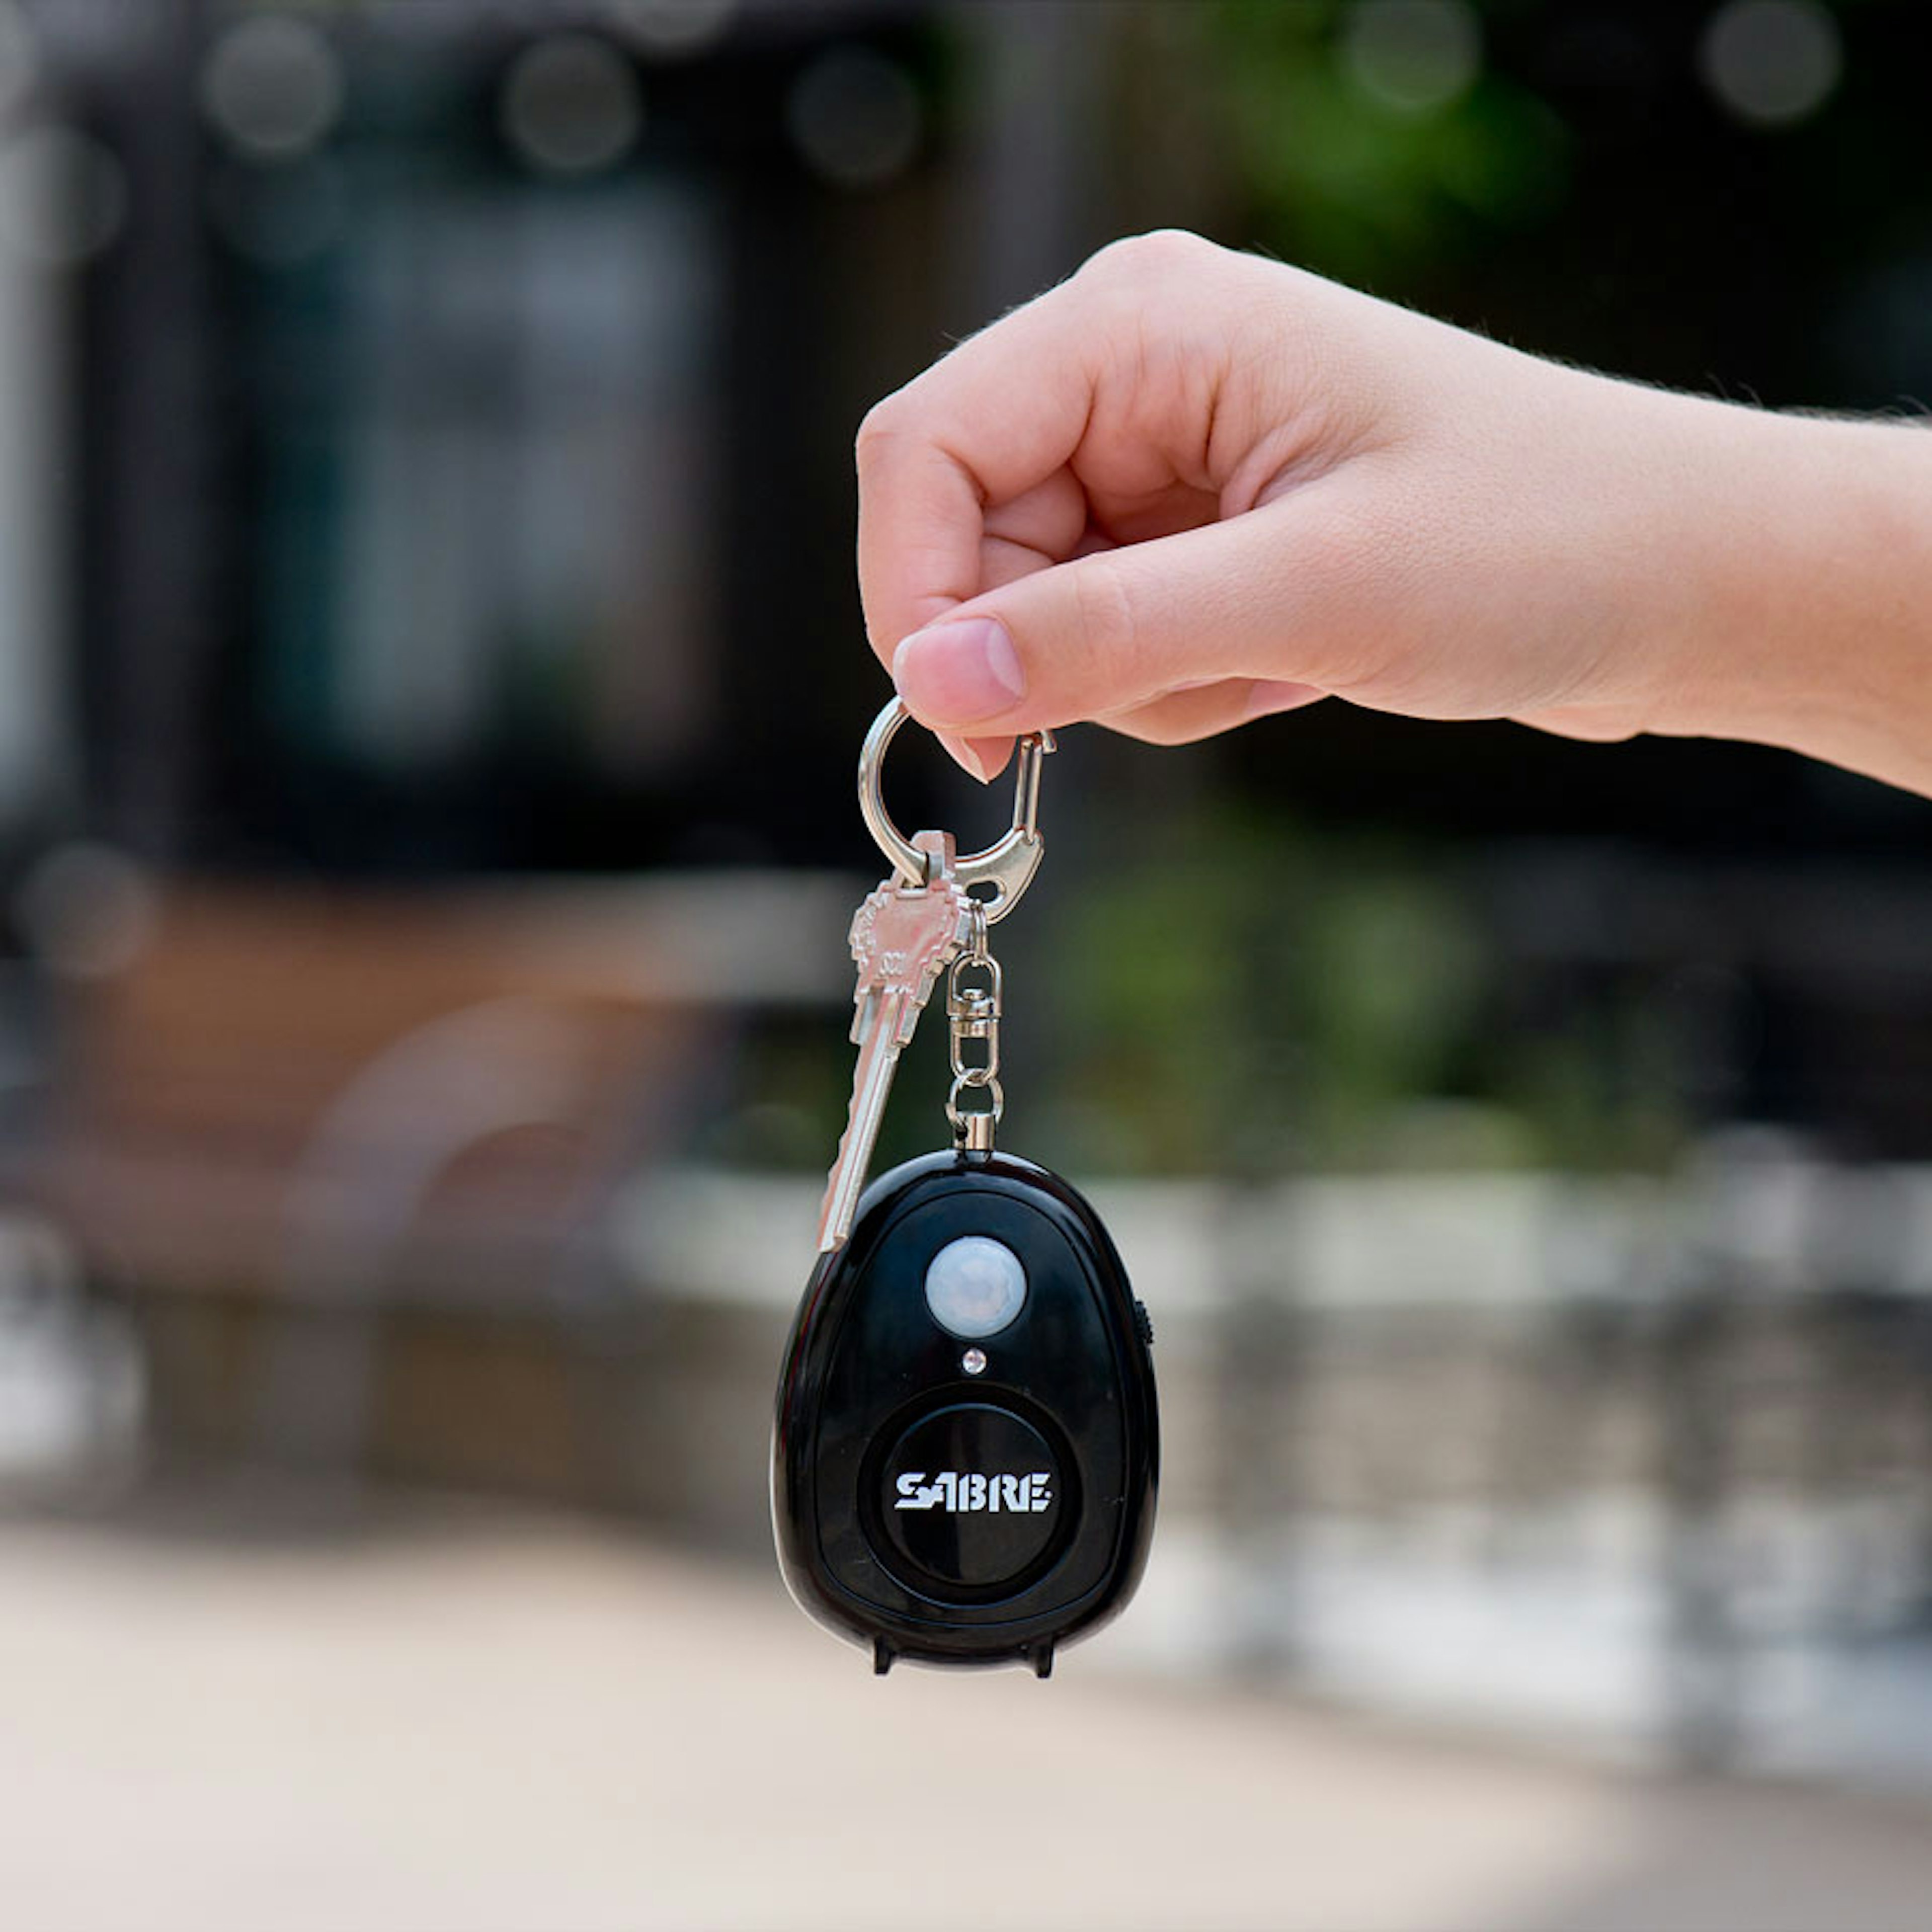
<point x="1143" y="1321"/>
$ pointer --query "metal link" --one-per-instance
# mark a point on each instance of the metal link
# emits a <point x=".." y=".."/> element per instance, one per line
<point x="1007" y="865"/>
<point x="973" y="1012"/>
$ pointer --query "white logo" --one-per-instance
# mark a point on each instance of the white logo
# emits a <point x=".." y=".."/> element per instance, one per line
<point x="956" y="1490"/>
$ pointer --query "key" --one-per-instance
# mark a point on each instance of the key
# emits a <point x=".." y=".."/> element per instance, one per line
<point x="903" y="938"/>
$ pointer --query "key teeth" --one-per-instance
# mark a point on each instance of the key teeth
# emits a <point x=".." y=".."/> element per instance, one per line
<point x="828" y="1236"/>
<point x="839" y="1157"/>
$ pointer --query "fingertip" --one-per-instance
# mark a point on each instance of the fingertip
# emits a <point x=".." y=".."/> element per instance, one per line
<point x="965" y="669"/>
<point x="964" y="754"/>
<point x="992" y="755"/>
<point x="981" y="758"/>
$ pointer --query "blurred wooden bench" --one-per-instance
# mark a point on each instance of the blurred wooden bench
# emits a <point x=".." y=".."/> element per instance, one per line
<point x="349" y="1101"/>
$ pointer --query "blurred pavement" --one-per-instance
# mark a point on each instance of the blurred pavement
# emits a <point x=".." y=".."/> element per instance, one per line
<point x="458" y="1719"/>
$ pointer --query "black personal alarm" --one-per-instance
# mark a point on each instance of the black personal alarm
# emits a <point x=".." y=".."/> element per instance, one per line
<point x="966" y="1450"/>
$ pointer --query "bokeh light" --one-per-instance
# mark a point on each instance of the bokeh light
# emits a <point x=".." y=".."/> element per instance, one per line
<point x="856" y="117"/>
<point x="272" y="86"/>
<point x="571" y="105"/>
<point x="672" y="29"/>
<point x="1771" y="63"/>
<point x="63" y="196"/>
<point x="1412" y="56"/>
<point x="89" y="910"/>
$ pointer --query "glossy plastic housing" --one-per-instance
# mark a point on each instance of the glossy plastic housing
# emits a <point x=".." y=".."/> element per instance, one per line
<point x="867" y="1363"/>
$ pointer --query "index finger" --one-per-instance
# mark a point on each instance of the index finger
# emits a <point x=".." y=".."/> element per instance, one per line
<point x="999" y="415"/>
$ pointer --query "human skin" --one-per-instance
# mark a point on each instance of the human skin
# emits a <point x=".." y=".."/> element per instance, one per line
<point x="1189" y="487"/>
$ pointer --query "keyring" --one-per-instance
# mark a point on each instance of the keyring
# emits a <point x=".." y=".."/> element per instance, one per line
<point x="1008" y="865"/>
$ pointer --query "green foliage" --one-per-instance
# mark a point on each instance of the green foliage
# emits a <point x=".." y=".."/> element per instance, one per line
<point x="1251" y="999"/>
<point x="1369" y="157"/>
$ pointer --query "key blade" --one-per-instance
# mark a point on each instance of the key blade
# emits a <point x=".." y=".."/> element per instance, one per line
<point x="864" y="1009"/>
<point x="872" y="1081"/>
<point x="903" y="938"/>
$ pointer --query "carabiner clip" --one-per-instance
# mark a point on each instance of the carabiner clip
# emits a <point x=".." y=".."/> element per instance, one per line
<point x="1007" y="865"/>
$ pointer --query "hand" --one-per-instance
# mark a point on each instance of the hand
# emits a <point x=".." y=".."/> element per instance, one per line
<point x="1188" y="487"/>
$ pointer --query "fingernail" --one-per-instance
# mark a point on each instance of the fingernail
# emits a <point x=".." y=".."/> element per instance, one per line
<point x="994" y="755"/>
<point x="961" y="750"/>
<point x="959" y="671"/>
<point x="1268" y="695"/>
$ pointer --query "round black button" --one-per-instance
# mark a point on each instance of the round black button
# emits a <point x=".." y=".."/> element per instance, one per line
<point x="971" y="1495"/>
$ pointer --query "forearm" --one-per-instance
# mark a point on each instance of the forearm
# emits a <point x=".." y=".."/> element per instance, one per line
<point x="1811" y="559"/>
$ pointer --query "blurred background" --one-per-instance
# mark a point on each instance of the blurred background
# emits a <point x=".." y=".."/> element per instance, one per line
<point x="430" y="679"/>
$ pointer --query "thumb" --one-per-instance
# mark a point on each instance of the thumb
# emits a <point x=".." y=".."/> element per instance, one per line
<point x="1110" y="632"/>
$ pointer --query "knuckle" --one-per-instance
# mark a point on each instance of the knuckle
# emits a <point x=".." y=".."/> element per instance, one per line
<point x="1154" y="731"/>
<point x="877" y="428"/>
<point x="1104" y="610"/>
<point x="1153" y="257"/>
<point x="1154" y="725"/>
